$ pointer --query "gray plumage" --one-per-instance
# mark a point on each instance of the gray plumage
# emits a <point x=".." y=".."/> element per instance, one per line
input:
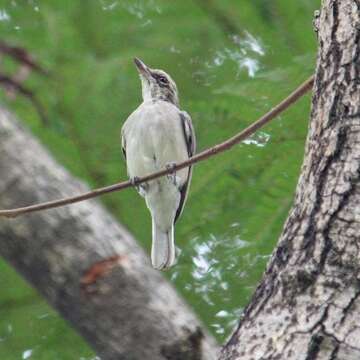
<point x="156" y="135"/>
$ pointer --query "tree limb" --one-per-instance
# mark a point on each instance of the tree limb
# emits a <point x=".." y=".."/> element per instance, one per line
<point x="217" y="149"/>
<point x="88" y="266"/>
<point x="22" y="56"/>
<point x="307" y="306"/>
<point x="29" y="94"/>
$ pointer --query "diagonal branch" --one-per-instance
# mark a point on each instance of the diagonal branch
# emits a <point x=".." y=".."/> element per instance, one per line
<point x="219" y="148"/>
<point x="22" y="56"/>
<point x="21" y="89"/>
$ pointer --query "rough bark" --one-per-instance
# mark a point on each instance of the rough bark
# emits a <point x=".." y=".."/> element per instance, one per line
<point x="307" y="305"/>
<point x="130" y="311"/>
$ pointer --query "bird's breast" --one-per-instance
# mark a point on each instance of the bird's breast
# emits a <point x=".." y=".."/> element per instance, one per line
<point x="154" y="138"/>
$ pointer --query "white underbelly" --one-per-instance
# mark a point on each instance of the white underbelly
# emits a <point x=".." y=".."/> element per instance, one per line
<point x="151" y="145"/>
<point x="154" y="138"/>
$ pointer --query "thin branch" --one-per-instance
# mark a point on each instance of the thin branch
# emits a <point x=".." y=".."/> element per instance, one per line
<point x="224" y="146"/>
<point x="22" y="56"/>
<point x="29" y="94"/>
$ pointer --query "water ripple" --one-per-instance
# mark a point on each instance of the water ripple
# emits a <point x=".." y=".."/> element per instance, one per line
<point x="4" y="16"/>
<point x="246" y="53"/>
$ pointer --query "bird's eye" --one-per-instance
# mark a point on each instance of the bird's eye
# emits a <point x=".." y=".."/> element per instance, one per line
<point x="163" y="79"/>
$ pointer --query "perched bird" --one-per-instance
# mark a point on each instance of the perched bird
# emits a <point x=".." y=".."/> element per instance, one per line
<point x="156" y="136"/>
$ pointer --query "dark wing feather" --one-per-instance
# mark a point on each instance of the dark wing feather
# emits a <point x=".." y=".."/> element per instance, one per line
<point x="123" y="144"/>
<point x="189" y="136"/>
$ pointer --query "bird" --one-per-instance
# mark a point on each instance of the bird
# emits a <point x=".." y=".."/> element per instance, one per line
<point x="157" y="135"/>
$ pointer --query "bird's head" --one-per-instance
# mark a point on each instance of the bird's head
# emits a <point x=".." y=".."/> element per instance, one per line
<point x="156" y="84"/>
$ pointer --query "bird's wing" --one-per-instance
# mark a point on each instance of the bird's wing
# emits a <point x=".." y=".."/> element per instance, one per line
<point x="190" y="141"/>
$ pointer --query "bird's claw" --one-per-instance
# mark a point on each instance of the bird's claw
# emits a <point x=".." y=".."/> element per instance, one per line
<point x="134" y="181"/>
<point x="172" y="175"/>
<point x="140" y="188"/>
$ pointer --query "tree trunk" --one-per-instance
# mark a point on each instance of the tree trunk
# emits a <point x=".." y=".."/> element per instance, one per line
<point x="121" y="306"/>
<point x="308" y="303"/>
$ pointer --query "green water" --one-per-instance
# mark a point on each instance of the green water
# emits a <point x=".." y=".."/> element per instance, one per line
<point x="232" y="61"/>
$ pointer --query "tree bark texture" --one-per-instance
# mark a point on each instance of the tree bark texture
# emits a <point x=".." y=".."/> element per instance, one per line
<point x="307" y="305"/>
<point x="86" y="265"/>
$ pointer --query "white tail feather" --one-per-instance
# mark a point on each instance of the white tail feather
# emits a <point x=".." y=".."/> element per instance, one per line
<point x="163" y="247"/>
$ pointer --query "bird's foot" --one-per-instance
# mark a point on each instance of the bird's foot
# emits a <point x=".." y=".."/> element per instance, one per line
<point x="134" y="181"/>
<point x="172" y="175"/>
<point x="140" y="188"/>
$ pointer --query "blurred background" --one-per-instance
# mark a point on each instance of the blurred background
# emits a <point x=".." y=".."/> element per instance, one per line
<point x="232" y="61"/>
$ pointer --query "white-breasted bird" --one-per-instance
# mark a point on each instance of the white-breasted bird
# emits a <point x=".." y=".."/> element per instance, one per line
<point x="155" y="136"/>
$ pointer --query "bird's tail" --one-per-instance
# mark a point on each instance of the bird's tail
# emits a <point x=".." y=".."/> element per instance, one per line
<point x="163" y="247"/>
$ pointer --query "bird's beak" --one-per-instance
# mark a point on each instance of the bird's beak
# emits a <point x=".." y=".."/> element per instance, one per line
<point x="142" y="68"/>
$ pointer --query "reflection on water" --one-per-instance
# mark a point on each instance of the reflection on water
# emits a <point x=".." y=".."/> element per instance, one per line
<point x="4" y="16"/>
<point x="5" y="335"/>
<point x="213" y="269"/>
<point x="237" y="202"/>
<point x="27" y="354"/>
<point x="246" y="53"/>
<point x="138" y="8"/>
<point x="249" y="42"/>
<point x="108" y="5"/>
<point x="259" y="139"/>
